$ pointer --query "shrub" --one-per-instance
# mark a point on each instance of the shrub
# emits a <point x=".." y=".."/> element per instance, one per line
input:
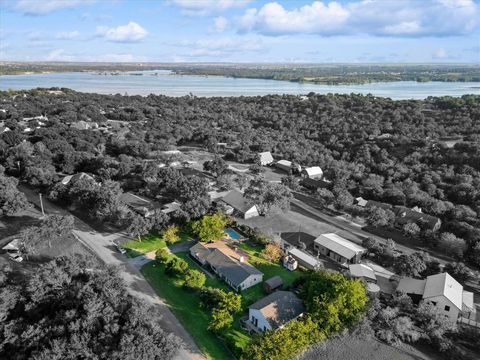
<point x="162" y="255"/>
<point x="221" y="319"/>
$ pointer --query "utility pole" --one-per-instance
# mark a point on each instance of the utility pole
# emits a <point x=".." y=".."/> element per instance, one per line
<point x="41" y="203"/>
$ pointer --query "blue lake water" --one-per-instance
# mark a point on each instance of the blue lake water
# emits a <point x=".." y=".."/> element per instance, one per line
<point x="178" y="85"/>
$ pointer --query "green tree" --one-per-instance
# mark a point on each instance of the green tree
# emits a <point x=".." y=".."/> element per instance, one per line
<point x="171" y="234"/>
<point x="411" y="229"/>
<point x="210" y="227"/>
<point x="378" y="217"/>
<point x="412" y="265"/>
<point x="221" y="320"/>
<point x="11" y="199"/>
<point x="452" y="245"/>
<point x="38" y="311"/>
<point x="138" y="227"/>
<point x="176" y="266"/>
<point x="268" y="196"/>
<point x="194" y="279"/>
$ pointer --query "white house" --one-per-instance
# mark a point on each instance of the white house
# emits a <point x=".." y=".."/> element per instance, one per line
<point x="290" y="263"/>
<point x="74" y="178"/>
<point x="266" y="158"/>
<point x="338" y="249"/>
<point x="314" y="172"/>
<point x="443" y="291"/>
<point x="275" y="311"/>
<point x="239" y="205"/>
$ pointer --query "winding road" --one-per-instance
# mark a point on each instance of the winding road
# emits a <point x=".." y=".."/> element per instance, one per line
<point x="102" y="245"/>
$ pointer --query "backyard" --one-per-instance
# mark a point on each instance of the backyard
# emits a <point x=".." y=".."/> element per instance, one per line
<point x="185" y="304"/>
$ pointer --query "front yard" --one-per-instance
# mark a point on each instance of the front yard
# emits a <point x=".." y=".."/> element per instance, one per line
<point x="150" y="242"/>
<point x="185" y="304"/>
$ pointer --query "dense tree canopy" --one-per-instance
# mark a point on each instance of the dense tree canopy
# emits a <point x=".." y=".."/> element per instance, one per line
<point x="72" y="308"/>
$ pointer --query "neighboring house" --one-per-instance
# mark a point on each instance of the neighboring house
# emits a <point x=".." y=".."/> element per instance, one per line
<point x="286" y="166"/>
<point x="4" y="129"/>
<point x="404" y="215"/>
<point x="12" y="246"/>
<point x="305" y="260"/>
<point x="275" y="311"/>
<point x="84" y="125"/>
<point x="338" y="249"/>
<point x="171" y="207"/>
<point x="290" y="263"/>
<point x="266" y="158"/>
<point x="141" y="205"/>
<point x="272" y="284"/>
<point x="314" y="172"/>
<point x="443" y="291"/>
<point x="239" y="205"/>
<point x="236" y="273"/>
<point x="314" y="184"/>
<point x="361" y="201"/>
<point x="362" y="271"/>
<point x="73" y="178"/>
<point x="171" y="152"/>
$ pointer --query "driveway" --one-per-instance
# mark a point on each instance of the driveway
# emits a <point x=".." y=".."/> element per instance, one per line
<point x="101" y="245"/>
<point x="182" y="246"/>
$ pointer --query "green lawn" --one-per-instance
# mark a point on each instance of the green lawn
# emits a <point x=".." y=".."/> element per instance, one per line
<point x="150" y="242"/>
<point x="185" y="304"/>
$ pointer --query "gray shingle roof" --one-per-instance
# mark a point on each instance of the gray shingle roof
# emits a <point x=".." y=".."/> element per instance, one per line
<point x="236" y="200"/>
<point x="279" y="307"/>
<point x="233" y="270"/>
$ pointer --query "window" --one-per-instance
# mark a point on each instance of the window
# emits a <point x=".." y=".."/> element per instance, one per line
<point x="447" y="308"/>
<point x="434" y="303"/>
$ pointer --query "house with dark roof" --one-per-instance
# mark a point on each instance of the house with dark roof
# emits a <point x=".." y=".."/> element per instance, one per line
<point x="275" y="311"/>
<point x="236" y="204"/>
<point x="141" y="205"/>
<point x="236" y="273"/>
<point x="314" y="184"/>
<point x="404" y="215"/>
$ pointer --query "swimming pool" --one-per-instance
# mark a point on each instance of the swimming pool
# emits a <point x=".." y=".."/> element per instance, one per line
<point x="233" y="234"/>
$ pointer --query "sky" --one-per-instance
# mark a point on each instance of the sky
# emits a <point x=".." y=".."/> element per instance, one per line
<point x="303" y="31"/>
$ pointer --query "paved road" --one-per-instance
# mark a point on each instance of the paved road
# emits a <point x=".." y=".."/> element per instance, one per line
<point x="101" y="245"/>
<point x="298" y="204"/>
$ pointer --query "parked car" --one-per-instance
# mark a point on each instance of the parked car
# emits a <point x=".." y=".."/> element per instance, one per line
<point x="120" y="249"/>
<point x="15" y="257"/>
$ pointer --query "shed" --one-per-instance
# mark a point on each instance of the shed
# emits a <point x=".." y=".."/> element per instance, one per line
<point x="339" y="249"/>
<point x="305" y="260"/>
<point x="273" y="284"/>
<point x="362" y="271"/>
<point x="266" y="158"/>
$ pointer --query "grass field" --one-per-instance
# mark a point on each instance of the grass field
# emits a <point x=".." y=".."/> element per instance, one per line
<point x="150" y="242"/>
<point x="185" y="304"/>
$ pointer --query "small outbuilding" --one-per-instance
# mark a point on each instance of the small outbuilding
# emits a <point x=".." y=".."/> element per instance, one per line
<point x="305" y="260"/>
<point x="339" y="249"/>
<point x="290" y="263"/>
<point x="237" y="204"/>
<point x="266" y="158"/>
<point x="272" y="284"/>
